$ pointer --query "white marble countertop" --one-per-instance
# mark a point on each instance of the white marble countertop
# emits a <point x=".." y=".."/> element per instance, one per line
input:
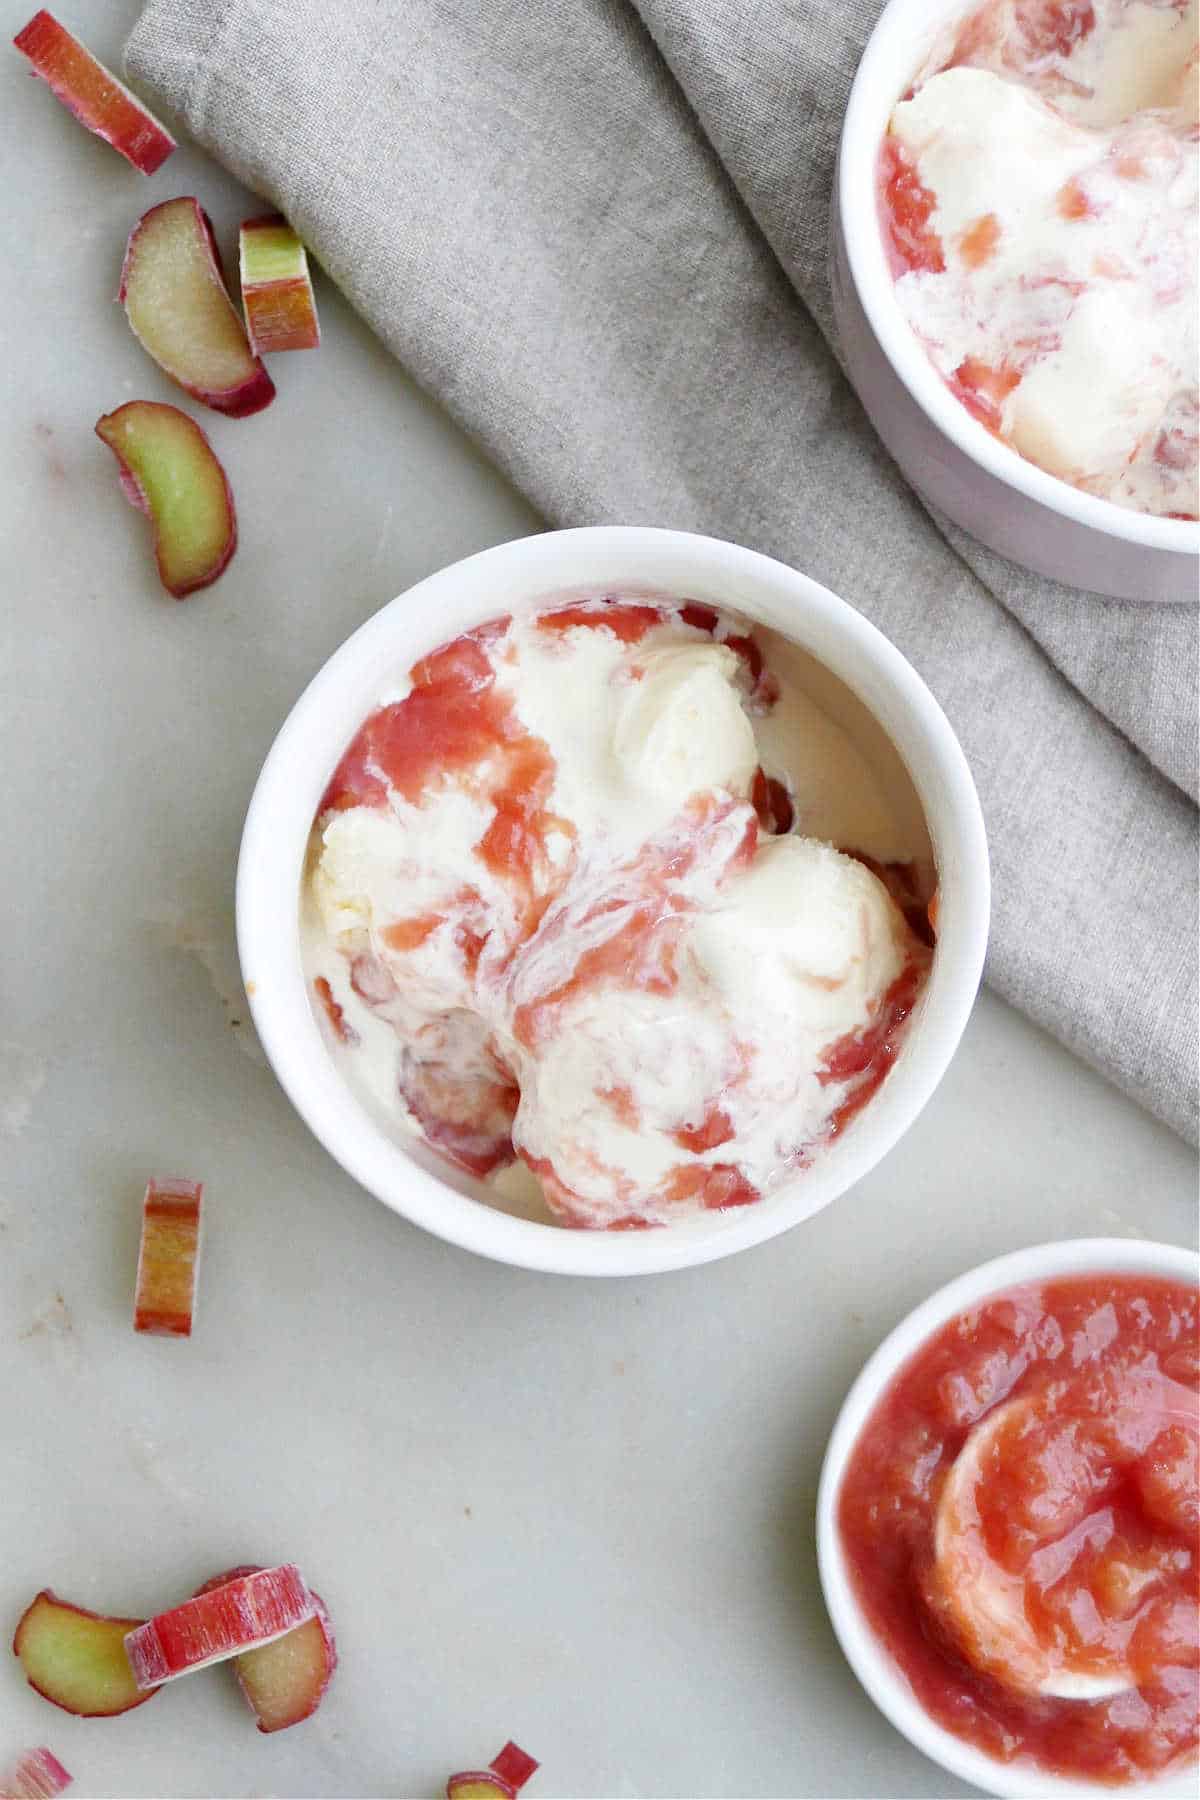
<point x="575" y="1513"/>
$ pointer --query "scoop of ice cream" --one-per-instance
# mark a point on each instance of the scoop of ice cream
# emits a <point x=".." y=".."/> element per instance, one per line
<point x="400" y="885"/>
<point x="1123" y="56"/>
<point x="636" y="730"/>
<point x="633" y="1093"/>
<point x="605" y="1096"/>
<point x="808" y="932"/>
<point x="681" y="727"/>
<point x="1079" y="409"/>
<point x="378" y="865"/>
<point x="979" y="138"/>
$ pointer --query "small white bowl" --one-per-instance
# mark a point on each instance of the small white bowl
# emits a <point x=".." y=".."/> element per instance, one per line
<point x="516" y="577"/>
<point x="866" y="1655"/>
<point x="949" y="457"/>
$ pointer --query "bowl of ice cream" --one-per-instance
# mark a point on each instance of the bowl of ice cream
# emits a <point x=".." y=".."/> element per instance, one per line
<point x="613" y="900"/>
<point x="1014" y="271"/>
<point x="1007" y="1522"/>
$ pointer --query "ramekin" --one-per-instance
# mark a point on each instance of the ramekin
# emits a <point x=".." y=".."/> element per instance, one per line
<point x="952" y="460"/>
<point x="515" y="577"/>
<point x="867" y="1656"/>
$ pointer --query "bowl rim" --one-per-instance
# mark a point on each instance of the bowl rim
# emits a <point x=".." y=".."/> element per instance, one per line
<point x="893" y="44"/>
<point x="867" y="1656"/>
<point x="297" y="768"/>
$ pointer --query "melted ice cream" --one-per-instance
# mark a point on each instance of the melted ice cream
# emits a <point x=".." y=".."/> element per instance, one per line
<point x="1040" y="199"/>
<point x="547" y="921"/>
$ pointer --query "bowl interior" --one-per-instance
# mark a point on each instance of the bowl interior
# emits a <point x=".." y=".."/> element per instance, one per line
<point x="867" y="1656"/>
<point x="910" y="37"/>
<point x="860" y="676"/>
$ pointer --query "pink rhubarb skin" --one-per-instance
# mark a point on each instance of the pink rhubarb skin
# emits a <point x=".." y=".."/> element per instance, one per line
<point x="170" y="472"/>
<point x="174" y="294"/>
<point x="284" y="1682"/>
<point x="36" y="1775"/>
<point x="93" y="95"/>
<point x="214" y="1627"/>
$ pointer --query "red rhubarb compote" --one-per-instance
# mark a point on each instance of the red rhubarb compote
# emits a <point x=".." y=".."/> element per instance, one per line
<point x="1038" y="193"/>
<point x="599" y="896"/>
<point x="1020" y="1518"/>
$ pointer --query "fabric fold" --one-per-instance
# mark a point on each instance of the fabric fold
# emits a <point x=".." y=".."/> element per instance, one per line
<point x="525" y="204"/>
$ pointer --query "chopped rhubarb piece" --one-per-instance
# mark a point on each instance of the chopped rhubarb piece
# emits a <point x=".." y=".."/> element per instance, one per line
<point x="239" y="1615"/>
<point x="36" y="1775"/>
<point x="628" y="622"/>
<point x="699" y="616"/>
<point x="92" y="93"/>
<point x="76" y="1659"/>
<point x="513" y="1765"/>
<point x="165" y="1296"/>
<point x="169" y="471"/>
<point x="773" y="804"/>
<point x="978" y="243"/>
<point x="277" y="294"/>
<point x="334" y="1011"/>
<point x="285" y="1682"/>
<point x="503" y="1780"/>
<point x="983" y="390"/>
<point x="175" y="299"/>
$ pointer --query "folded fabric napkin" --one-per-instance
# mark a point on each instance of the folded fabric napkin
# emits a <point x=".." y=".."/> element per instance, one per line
<point x="596" y="231"/>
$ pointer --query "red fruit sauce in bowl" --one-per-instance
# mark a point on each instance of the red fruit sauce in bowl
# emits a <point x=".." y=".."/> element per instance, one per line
<point x="1009" y="1522"/>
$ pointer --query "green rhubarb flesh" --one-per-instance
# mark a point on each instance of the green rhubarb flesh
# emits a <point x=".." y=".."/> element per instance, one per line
<point x="183" y="487"/>
<point x="271" y="251"/>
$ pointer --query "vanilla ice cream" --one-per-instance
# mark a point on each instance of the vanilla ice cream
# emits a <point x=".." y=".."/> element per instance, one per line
<point x="561" y="912"/>
<point x="1039" y="194"/>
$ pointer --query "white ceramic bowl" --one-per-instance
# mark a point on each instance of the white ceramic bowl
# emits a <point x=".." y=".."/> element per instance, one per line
<point x="952" y="460"/>
<point x="515" y="577"/>
<point x="865" y="1653"/>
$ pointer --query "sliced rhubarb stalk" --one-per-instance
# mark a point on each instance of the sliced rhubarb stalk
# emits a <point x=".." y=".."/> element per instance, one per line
<point x="76" y="1659"/>
<point x="479" y="1784"/>
<point x="277" y="294"/>
<point x="239" y="1615"/>
<point x="169" y="471"/>
<point x="165" y="1294"/>
<point x="285" y="1682"/>
<point x="513" y="1765"/>
<point x="175" y="299"/>
<point x="503" y="1780"/>
<point x="92" y="93"/>
<point x="36" y="1775"/>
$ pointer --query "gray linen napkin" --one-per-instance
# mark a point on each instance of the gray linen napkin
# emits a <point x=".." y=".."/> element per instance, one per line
<point x="598" y="238"/>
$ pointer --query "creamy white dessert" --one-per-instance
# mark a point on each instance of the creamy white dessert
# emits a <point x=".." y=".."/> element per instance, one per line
<point x="562" y="913"/>
<point x="1039" y="191"/>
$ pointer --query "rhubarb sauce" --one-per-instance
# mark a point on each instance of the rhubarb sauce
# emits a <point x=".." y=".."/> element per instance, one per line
<point x="1020" y="1520"/>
